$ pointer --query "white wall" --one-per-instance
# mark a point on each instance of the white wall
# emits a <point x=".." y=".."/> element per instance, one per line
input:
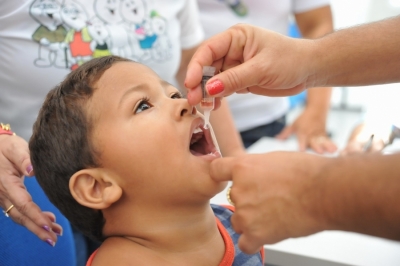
<point x="349" y="13"/>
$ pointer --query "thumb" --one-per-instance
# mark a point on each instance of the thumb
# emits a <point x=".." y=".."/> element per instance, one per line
<point x="249" y="245"/>
<point x="285" y="133"/>
<point x="235" y="79"/>
<point x="221" y="169"/>
<point x="20" y="158"/>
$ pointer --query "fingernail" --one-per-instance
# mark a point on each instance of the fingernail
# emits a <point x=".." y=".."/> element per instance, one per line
<point x="50" y="242"/>
<point x="29" y="169"/>
<point x="45" y="227"/>
<point x="59" y="233"/>
<point x="215" y="87"/>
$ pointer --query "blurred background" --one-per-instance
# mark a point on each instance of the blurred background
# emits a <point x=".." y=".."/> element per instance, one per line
<point x="351" y="105"/>
<point x="350" y="13"/>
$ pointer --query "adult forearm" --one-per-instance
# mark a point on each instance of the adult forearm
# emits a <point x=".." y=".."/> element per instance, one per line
<point x="361" y="194"/>
<point x="363" y="55"/>
<point x="318" y="100"/>
<point x="314" y="24"/>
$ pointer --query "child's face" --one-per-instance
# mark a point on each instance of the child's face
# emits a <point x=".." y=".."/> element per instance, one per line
<point x="143" y="131"/>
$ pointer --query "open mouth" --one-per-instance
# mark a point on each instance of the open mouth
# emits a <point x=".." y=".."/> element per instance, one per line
<point x="201" y="142"/>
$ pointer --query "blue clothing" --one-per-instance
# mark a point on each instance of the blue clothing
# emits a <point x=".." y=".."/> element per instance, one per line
<point x="17" y="242"/>
<point x="240" y="259"/>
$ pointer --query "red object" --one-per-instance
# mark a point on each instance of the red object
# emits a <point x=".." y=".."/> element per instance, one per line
<point x="79" y="47"/>
<point x="215" y="87"/>
<point x="5" y="129"/>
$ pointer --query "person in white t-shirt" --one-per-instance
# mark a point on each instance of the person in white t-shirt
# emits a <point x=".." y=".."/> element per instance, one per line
<point x="256" y="116"/>
<point x="41" y="41"/>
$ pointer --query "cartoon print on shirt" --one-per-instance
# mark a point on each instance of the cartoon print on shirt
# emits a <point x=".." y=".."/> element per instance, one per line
<point x="161" y="50"/>
<point x="75" y="18"/>
<point x="237" y="6"/>
<point x="50" y="34"/>
<point x="145" y="29"/>
<point x="101" y="38"/>
<point x="133" y="12"/>
<point x="108" y="12"/>
<point x="128" y="28"/>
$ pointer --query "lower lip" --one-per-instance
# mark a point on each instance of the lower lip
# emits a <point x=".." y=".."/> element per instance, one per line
<point x="207" y="157"/>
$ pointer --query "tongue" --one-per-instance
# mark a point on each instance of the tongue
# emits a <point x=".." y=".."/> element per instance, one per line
<point x="215" y="153"/>
<point x="199" y="148"/>
<point x="195" y="153"/>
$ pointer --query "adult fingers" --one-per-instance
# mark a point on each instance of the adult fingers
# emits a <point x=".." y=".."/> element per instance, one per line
<point x="329" y="146"/>
<point x="352" y="148"/>
<point x="222" y="169"/>
<point x="285" y="133"/>
<point x="209" y="52"/>
<point x="277" y="92"/>
<point x="377" y="145"/>
<point x="302" y="140"/>
<point x="45" y="232"/>
<point x="28" y="213"/>
<point x="17" y="152"/>
<point x="51" y="216"/>
<point x="243" y="91"/>
<point x="245" y="75"/>
<point x="249" y="244"/>
<point x="56" y="228"/>
<point x="195" y="95"/>
<point x="317" y="144"/>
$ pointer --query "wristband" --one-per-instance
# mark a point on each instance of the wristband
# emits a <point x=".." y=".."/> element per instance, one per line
<point x="6" y="129"/>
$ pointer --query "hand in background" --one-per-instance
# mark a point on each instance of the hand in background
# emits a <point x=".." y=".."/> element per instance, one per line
<point x="360" y="140"/>
<point x="310" y="130"/>
<point x="14" y="165"/>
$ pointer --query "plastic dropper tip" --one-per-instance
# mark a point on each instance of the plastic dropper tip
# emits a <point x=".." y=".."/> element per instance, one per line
<point x="207" y="118"/>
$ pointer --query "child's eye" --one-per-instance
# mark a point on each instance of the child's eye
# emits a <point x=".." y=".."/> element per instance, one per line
<point x="177" y="95"/>
<point x="143" y="105"/>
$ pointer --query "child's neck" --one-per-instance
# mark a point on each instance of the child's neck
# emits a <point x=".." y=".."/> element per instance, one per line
<point x="173" y="233"/>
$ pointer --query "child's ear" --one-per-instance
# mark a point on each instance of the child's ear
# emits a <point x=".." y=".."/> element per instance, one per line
<point x="94" y="188"/>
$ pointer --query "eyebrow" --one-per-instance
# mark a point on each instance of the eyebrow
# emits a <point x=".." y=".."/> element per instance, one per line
<point x="141" y="87"/>
<point x="136" y="88"/>
<point x="165" y="83"/>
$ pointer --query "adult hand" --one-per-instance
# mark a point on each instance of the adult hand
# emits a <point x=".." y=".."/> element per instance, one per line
<point x="355" y="147"/>
<point x="360" y="140"/>
<point x="310" y="130"/>
<point x="250" y="60"/>
<point x="275" y="194"/>
<point x="14" y="165"/>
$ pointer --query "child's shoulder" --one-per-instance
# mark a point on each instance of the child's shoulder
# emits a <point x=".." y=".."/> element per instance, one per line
<point x="121" y="251"/>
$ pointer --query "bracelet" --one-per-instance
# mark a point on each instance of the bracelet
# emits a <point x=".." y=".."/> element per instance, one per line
<point x="6" y="129"/>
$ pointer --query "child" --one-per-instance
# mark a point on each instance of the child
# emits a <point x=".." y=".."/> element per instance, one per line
<point x="126" y="159"/>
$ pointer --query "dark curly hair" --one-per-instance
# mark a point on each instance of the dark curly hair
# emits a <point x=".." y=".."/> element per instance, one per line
<point x="60" y="145"/>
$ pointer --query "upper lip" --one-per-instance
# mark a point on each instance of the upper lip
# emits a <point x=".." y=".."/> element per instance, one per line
<point x="198" y="122"/>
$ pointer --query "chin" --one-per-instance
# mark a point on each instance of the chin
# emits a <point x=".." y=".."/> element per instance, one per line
<point x="221" y="186"/>
<point x="208" y="187"/>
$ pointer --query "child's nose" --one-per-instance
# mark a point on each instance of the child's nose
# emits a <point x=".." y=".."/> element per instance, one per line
<point x="184" y="108"/>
